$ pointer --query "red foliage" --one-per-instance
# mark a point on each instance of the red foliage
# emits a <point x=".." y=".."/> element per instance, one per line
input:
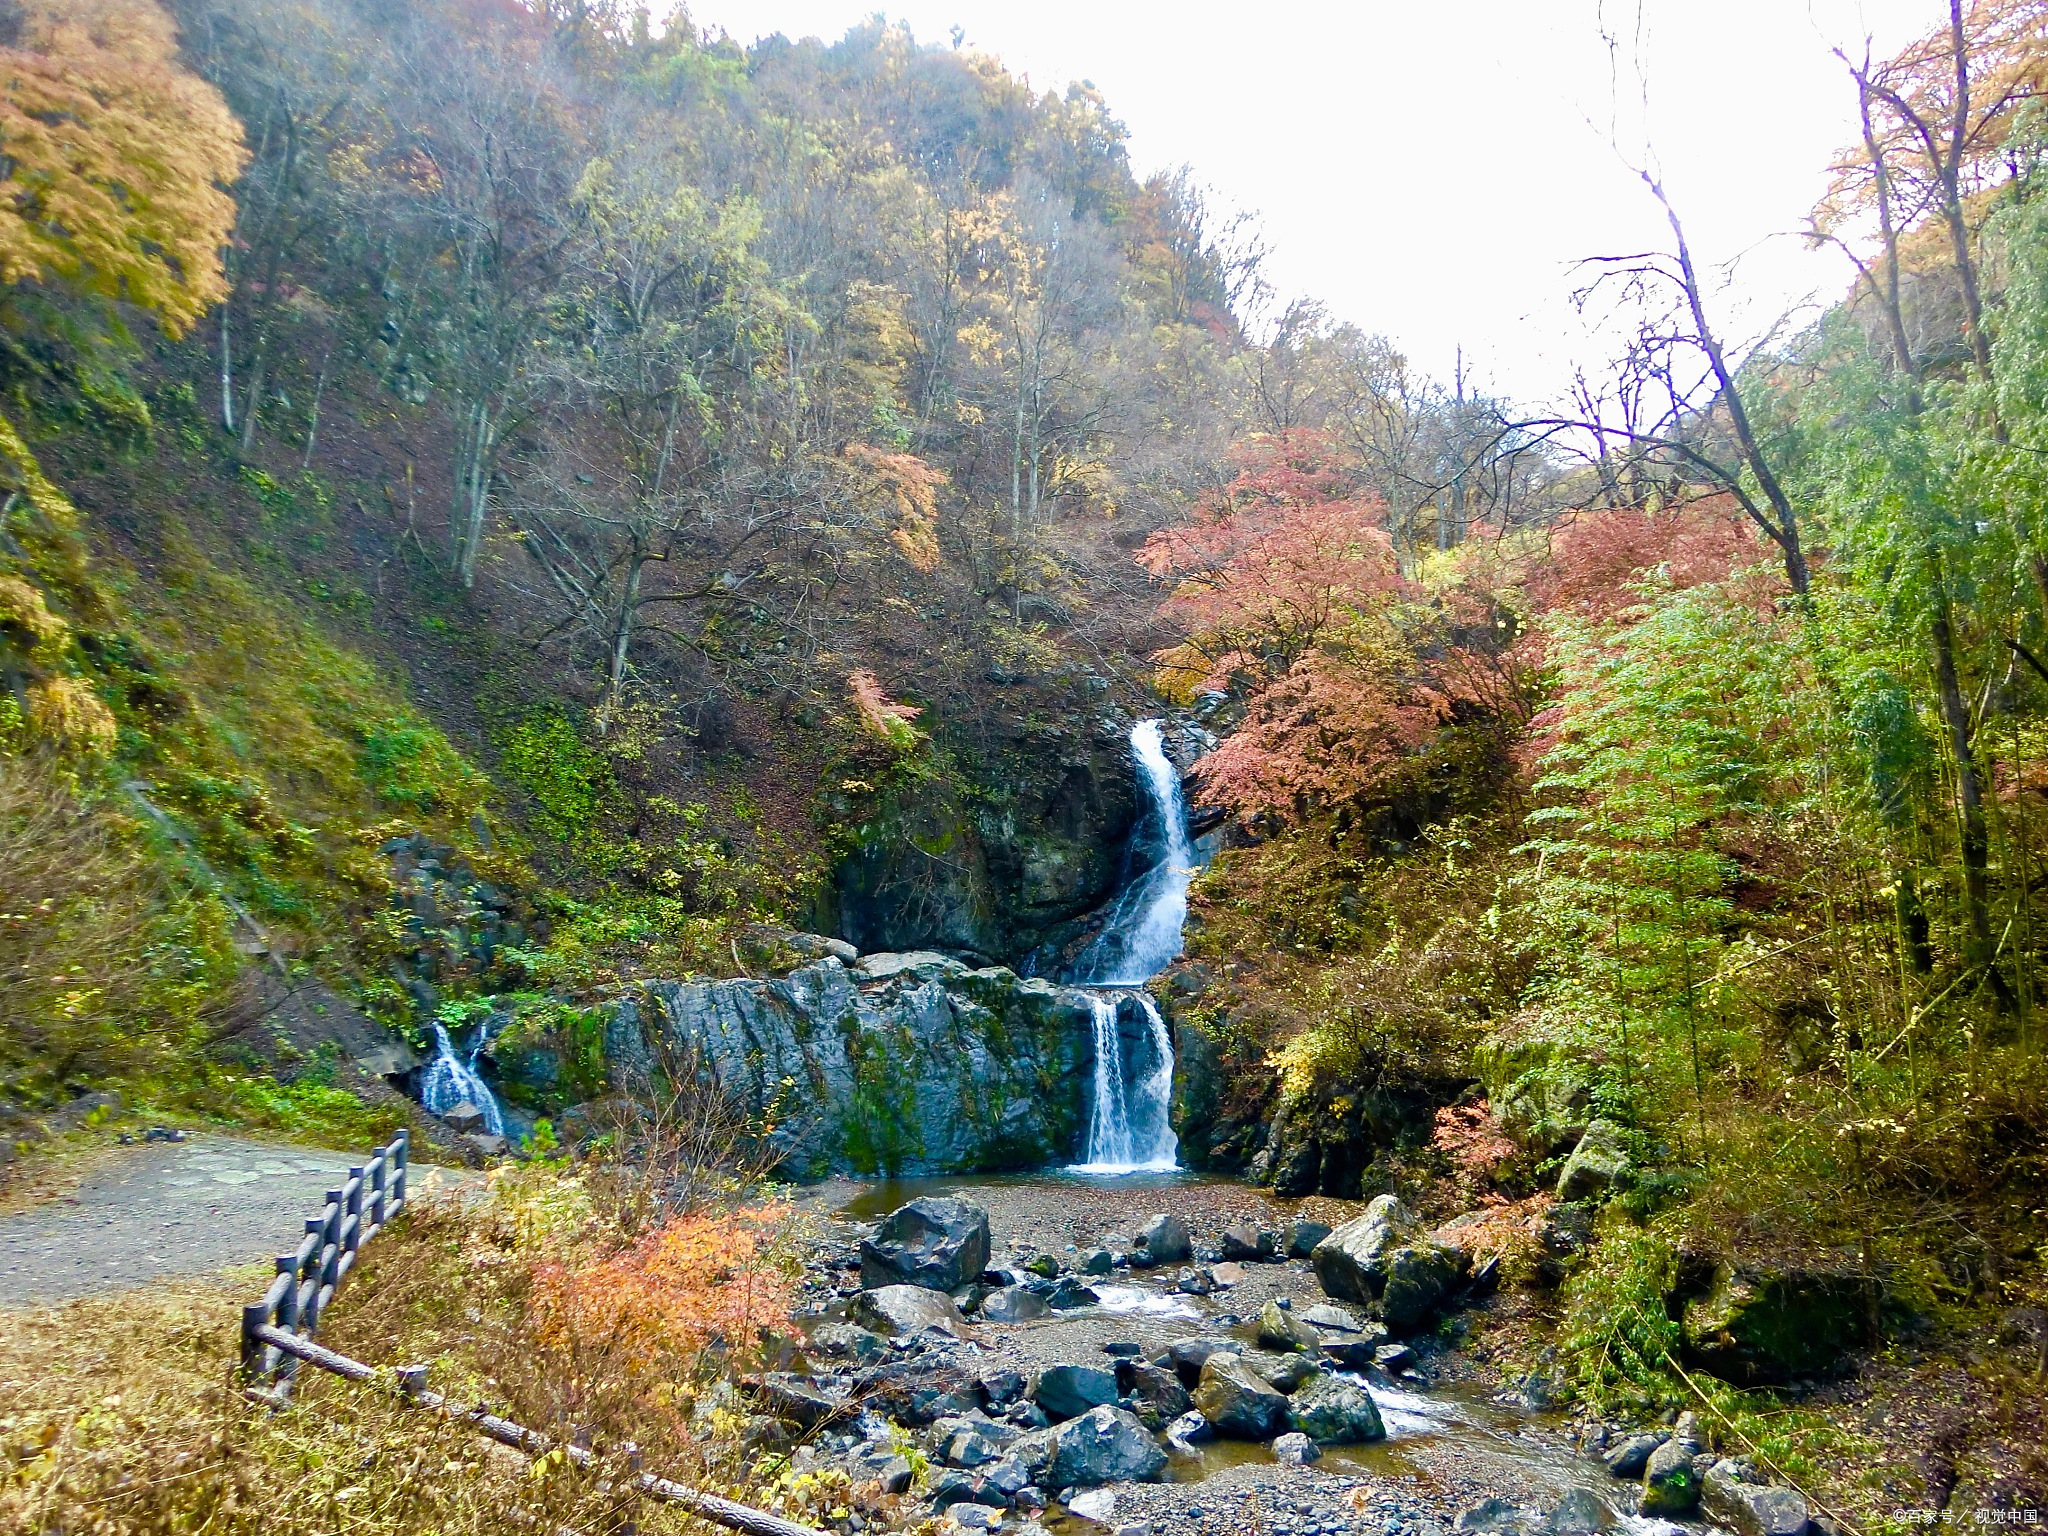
<point x="1597" y="559"/>
<point x="1288" y="550"/>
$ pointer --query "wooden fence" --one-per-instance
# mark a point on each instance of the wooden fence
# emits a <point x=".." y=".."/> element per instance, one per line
<point x="307" y="1280"/>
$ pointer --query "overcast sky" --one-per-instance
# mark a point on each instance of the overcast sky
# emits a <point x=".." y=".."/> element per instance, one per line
<point x="1432" y="169"/>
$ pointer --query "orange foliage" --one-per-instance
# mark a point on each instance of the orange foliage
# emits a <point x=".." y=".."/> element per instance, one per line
<point x="910" y="486"/>
<point x="878" y="712"/>
<point x="700" y="1279"/>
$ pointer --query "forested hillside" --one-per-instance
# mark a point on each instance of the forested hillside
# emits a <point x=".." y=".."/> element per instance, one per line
<point x="507" y="500"/>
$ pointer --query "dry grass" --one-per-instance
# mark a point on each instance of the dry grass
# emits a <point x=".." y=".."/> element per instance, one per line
<point x="123" y="1414"/>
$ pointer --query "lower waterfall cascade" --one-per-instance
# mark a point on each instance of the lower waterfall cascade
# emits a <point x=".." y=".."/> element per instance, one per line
<point x="449" y="1081"/>
<point x="1129" y="1124"/>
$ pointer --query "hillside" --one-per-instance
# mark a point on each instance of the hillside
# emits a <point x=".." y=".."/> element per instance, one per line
<point x="592" y="591"/>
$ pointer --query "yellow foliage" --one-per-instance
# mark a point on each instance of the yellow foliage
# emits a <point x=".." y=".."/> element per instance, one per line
<point x="22" y="609"/>
<point x="114" y="161"/>
<point x="66" y="710"/>
<point x="42" y="494"/>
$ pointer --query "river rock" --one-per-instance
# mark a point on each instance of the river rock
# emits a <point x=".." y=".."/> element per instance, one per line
<point x="1633" y="1454"/>
<point x="1578" y="1513"/>
<point x="908" y="1064"/>
<point x="1334" y="1412"/>
<point x="1418" y="1278"/>
<point x="1671" y="1488"/>
<point x="1497" y="1517"/>
<point x="1283" y="1331"/>
<point x="1247" y="1244"/>
<point x="1597" y="1164"/>
<point x="1104" y="1445"/>
<point x="897" y="1310"/>
<point x="1295" y="1449"/>
<point x="1286" y="1372"/>
<point x="1187" y="1356"/>
<point x="1013" y="1304"/>
<point x="1069" y="1294"/>
<point x="1238" y="1402"/>
<point x="1152" y="1392"/>
<point x="1350" y="1263"/>
<point x="1737" y="1497"/>
<point x="1355" y="1351"/>
<point x="1098" y="1261"/>
<point x="463" y="1118"/>
<point x="1303" y="1235"/>
<point x="1164" y="1240"/>
<point x="1068" y="1391"/>
<point x="880" y="1464"/>
<point x="939" y="1244"/>
<point x="847" y="1341"/>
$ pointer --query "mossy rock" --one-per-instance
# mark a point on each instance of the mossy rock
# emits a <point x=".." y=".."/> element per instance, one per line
<point x="1756" y="1326"/>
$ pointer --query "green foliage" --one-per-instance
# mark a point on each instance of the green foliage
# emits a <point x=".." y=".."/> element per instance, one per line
<point x="409" y="763"/>
<point x="568" y="785"/>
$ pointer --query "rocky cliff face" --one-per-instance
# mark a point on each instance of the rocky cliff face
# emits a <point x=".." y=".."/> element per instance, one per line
<point x="1002" y="864"/>
<point x="901" y="1064"/>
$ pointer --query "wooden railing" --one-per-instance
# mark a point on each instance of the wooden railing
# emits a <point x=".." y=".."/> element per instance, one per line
<point x="307" y="1280"/>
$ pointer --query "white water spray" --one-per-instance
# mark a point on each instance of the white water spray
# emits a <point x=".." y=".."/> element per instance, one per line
<point x="449" y="1081"/>
<point x="1129" y="1127"/>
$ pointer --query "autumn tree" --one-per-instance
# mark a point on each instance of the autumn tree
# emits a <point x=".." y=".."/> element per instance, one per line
<point x="116" y="160"/>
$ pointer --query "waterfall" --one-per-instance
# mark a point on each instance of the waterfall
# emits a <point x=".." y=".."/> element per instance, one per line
<point x="449" y="1081"/>
<point x="1129" y="1126"/>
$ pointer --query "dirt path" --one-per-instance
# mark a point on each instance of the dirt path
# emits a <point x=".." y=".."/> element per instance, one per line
<point x="170" y="1209"/>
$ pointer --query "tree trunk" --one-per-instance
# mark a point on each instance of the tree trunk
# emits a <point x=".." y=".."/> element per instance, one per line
<point x="622" y="639"/>
<point x="1976" y="840"/>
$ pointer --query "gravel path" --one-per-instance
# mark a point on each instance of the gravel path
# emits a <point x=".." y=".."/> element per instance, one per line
<point x="166" y="1209"/>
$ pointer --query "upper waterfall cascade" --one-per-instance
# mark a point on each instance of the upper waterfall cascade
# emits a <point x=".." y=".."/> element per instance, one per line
<point x="1129" y="1127"/>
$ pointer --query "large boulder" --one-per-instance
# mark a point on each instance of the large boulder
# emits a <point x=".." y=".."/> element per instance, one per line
<point x="1163" y="1240"/>
<point x="941" y="1245"/>
<point x="1350" y="1263"/>
<point x="1419" y="1277"/>
<point x="1598" y="1164"/>
<point x="1104" y="1445"/>
<point x="1331" y="1411"/>
<point x="1068" y="1391"/>
<point x="1238" y="1402"/>
<point x="896" y="1310"/>
<point x="1754" y="1326"/>
<point x="1734" y="1495"/>
<point x="904" y="1064"/>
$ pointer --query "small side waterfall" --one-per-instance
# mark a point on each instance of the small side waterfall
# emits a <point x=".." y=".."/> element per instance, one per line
<point x="1129" y="1126"/>
<point x="449" y="1080"/>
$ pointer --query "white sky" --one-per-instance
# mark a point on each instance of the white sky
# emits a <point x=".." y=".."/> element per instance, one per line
<point x="1432" y="171"/>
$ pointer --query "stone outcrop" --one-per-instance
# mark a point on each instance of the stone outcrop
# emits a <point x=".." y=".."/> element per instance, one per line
<point x="1598" y="1164"/>
<point x="903" y="1064"/>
